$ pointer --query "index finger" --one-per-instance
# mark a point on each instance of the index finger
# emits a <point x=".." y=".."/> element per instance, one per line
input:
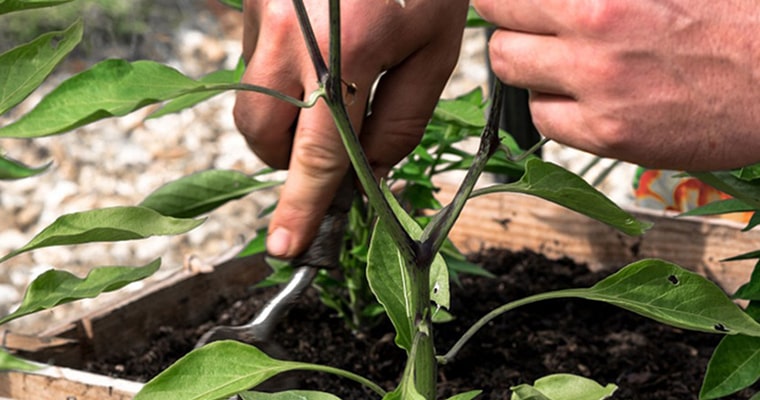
<point x="533" y="16"/>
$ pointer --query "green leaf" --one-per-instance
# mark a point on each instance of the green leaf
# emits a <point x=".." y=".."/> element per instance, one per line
<point x="54" y="287"/>
<point x="236" y="4"/>
<point x="726" y="182"/>
<point x="7" y="6"/>
<point x="466" y="395"/>
<point x="556" y="184"/>
<point x="726" y="206"/>
<point x="460" y="113"/>
<point x="9" y="362"/>
<point x="106" y="225"/>
<point x="389" y="277"/>
<point x="222" y="369"/>
<point x="110" y="88"/>
<point x="289" y="395"/>
<point x="474" y="20"/>
<point x="256" y="245"/>
<point x="12" y="169"/>
<point x="734" y="365"/>
<point x="563" y="387"/>
<point x="25" y="67"/>
<point x="672" y="295"/>
<point x="751" y="289"/>
<point x="748" y="173"/>
<point x="188" y="100"/>
<point x="202" y="192"/>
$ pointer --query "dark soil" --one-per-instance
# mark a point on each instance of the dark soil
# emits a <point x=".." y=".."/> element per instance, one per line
<point x="645" y="359"/>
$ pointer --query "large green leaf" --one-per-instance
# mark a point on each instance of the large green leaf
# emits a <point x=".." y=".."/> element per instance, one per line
<point x="12" y="169"/>
<point x="110" y="88"/>
<point x="13" y="363"/>
<point x="556" y="184"/>
<point x="389" y="278"/>
<point x="25" y="67"/>
<point x="188" y="100"/>
<point x="563" y="387"/>
<point x="202" y="192"/>
<point x="54" y="287"/>
<point x="734" y="365"/>
<point x="7" y="6"/>
<point x="106" y="225"/>
<point x="289" y="395"/>
<point x="222" y="369"/>
<point x="667" y="293"/>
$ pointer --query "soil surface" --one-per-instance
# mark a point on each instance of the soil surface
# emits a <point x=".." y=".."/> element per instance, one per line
<point x="645" y="359"/>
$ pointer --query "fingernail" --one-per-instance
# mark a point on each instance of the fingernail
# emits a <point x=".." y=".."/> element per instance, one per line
<point x="278" y="242"/>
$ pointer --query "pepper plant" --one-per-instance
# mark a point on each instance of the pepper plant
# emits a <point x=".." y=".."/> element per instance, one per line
<point x="405" y="270"/>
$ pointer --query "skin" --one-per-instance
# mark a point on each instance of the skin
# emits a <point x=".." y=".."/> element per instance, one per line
<point x="416" y="55"/>
<point x="665" y="84"/>
<point x="661" y="83"/>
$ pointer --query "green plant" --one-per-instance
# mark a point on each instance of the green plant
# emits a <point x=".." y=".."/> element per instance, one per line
<point x="405" y="269"/>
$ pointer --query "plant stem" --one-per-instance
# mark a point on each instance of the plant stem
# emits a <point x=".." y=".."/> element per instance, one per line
<point x="311" y="41"/>
<point x="449" y="356"/>
<point x="312" y="100"/>
<point x="438" y="230"/>
<point x="424" y="364"/>
<point x="334" y="99"/>
<point x="345" y="374"/>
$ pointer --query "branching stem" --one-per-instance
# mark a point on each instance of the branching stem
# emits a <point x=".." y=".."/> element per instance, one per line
<point x="438" y="229"/>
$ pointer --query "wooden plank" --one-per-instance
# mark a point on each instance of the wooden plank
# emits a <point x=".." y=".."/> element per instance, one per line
<point x="517" y="222"/>
<point x="56" y="383"/>
<point x="186" y="299"/>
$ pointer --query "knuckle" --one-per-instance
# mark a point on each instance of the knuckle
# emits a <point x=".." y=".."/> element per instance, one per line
<point x="600" y="17"/>
<point x="317" y="155"/>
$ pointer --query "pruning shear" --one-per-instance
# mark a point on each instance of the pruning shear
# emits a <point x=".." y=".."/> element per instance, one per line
<point x="324" y="252"/>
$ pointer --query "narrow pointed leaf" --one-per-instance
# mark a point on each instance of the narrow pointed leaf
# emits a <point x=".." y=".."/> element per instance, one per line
<point x="672" y="295"/>
<point x="236" y="4"/>
<point x="390" y="281"/>
<point x="25" y="67"/>
<point x="222" y="369"/>
<point x="727" y="182"/>
<point x="720" y="207"/>
<point x="289" y="395"/>
<point x="106" y="225"/>
<point x="12" y="169"/>
<point x="110" y="88"/>
<point x="466" y="395"/>
<point x="554" y="183"/>
<point x="734" y="365"/>
<point x="202" y="192"/>
<point x="563" y="387"/>
<point x="55" y="287"/>
<point x="7" y="6"/>
<point x="10" y="362"/>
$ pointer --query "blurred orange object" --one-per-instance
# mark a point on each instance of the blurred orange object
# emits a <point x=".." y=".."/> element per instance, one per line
<point x="670" y="190"/>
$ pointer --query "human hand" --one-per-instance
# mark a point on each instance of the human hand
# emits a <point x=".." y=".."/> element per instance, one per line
<point x="665" y="84"/>
<point x="416" y="48"/>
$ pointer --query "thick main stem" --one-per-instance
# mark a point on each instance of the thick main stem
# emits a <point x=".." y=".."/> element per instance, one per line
<point x="334" y="98"/>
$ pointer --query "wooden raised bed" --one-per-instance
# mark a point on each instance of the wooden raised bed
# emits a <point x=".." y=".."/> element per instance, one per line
<point x="508" y="221"/>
